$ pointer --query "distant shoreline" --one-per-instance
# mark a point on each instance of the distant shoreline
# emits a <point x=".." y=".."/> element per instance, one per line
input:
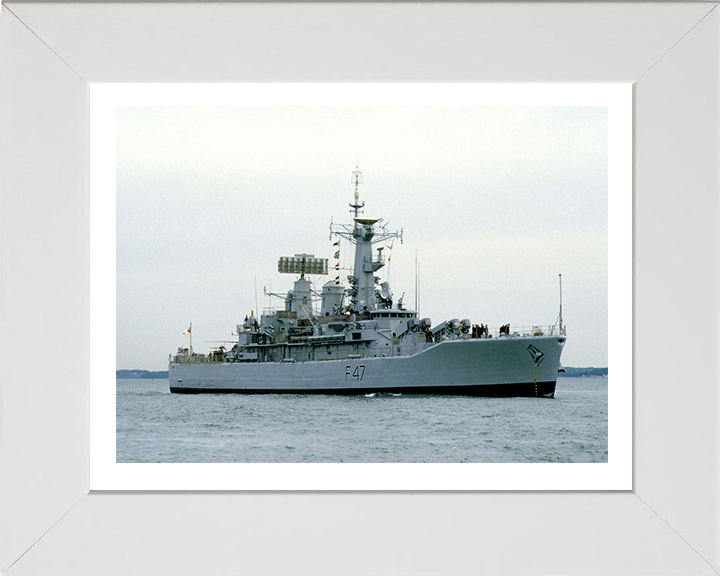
<point x="135" y="374"/>
<point x="569" y="373"/>
<point x="575" y="372"/>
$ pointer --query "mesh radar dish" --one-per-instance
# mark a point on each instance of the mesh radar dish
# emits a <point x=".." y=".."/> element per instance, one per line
<point x="302" y="264"/>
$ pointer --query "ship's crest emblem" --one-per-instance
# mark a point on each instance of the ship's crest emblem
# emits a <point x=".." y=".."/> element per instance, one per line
<point x="535" y="354"/>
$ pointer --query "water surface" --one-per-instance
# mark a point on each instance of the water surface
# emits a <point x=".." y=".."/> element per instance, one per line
<point x="154" y="425"/>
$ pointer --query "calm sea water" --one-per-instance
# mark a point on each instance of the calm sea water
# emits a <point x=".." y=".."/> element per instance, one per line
<point x="154" y="425"/>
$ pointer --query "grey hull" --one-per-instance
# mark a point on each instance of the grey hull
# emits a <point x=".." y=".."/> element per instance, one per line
<point x="507" y="366"/>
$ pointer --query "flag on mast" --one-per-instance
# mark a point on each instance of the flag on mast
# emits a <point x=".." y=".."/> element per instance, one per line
<point x="189" y="332"/>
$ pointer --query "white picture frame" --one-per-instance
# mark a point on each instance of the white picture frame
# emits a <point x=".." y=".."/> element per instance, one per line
<point x="667" y="524"/>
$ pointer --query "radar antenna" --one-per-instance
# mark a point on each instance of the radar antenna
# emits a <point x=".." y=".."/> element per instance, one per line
<point x="302" y="264"/>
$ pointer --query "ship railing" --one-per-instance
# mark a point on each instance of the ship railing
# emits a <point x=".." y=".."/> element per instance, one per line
<point x="199" y="358"/>
<point x="534" y="330"/>
<point x="270" y="310"/>
<point x="280" y="312"/>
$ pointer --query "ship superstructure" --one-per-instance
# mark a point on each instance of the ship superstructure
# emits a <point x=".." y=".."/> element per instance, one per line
<point x="362" y="341"/>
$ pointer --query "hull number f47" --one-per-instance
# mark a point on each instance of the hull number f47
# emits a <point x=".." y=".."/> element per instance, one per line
<point x="357" y="373"/>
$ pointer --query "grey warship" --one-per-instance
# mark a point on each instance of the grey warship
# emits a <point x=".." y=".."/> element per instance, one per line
<point x="361" y="342"/>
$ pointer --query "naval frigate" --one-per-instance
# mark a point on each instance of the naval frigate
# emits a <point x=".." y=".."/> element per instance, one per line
<point x="362" y="342"/>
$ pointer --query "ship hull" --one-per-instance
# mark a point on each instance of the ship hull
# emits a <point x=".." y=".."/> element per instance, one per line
<point x="510" y="366"/>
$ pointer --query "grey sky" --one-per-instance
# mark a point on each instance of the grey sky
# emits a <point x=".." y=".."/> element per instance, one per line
<point x="495" y="201"/>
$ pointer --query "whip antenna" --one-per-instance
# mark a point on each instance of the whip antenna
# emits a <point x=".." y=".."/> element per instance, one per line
<point x="560" y="280"/>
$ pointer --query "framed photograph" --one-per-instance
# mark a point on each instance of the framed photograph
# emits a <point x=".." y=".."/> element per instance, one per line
<point x="532" y="176"/>
<point x="70" y="507"/>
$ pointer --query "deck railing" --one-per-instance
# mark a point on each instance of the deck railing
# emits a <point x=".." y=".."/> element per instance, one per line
<point x="536" y="330"/>
<point x="199" y="358"/>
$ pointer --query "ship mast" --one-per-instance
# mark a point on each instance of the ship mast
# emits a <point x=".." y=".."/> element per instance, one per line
<point x="559" y="319"/>
<point x="364" y="232"/>
<point x="357" y="176"/>
<point x="561" y="325"/>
